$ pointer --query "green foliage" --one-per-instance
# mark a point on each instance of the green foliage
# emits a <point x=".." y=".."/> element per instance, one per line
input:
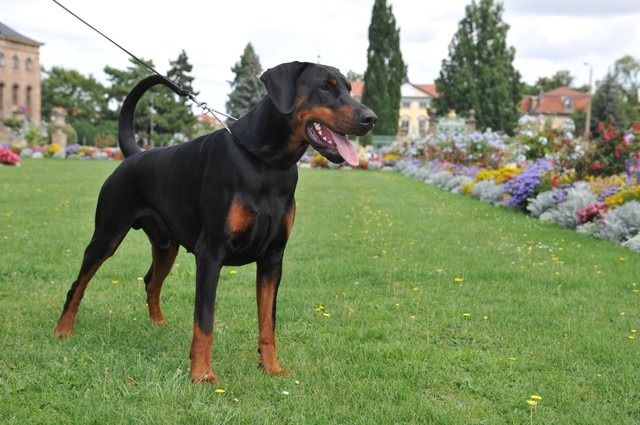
<point x="246" y="88"/>
<point x="14" y="124"/>
<point x="609" y="102"/>
<point x="160" y="115"/>
<point x="479" y="71"/>
<point x="386" y="71"/>
<point x="354" y="76"/>
<point x="33" y="136"/>
<point x="559" y="79"/>
<point x="83" y="97"/>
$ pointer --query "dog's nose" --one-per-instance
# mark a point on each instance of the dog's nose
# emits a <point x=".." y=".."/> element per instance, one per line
<point x="368" y="118"/>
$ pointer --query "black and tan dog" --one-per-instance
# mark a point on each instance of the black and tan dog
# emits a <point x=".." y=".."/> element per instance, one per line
<point x="228" y="199"/>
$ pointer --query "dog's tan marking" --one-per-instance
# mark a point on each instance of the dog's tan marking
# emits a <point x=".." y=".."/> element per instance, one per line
<point x="201" y="356"/>
<point x="240" y="218"/>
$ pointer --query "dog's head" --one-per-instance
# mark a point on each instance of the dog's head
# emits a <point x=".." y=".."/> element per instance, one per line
<point x="322" y="111"/>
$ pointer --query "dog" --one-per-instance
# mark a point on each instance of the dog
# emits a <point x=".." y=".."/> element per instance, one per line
<point x="226" y="198"/>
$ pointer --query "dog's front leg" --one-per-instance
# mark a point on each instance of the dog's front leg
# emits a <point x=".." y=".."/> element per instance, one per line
<point x="269" y="272"/>
<point x="207" y="274"/>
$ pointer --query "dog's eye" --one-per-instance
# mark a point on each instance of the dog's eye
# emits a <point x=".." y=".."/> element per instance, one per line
<point x="325" y="87"/>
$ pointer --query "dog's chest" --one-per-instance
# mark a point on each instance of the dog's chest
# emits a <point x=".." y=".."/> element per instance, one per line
<point x="254" y="226"/>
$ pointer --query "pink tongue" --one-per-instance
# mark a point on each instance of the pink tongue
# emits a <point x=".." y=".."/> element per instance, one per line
<point x="346" y="150"/>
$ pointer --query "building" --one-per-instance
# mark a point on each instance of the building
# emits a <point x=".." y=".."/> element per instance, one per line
<point x="414" y="107"/>
<point x="556" y="105"/>
<point x="19" y="78"/>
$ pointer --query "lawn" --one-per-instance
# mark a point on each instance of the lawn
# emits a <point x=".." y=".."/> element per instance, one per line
<point x="400" y="303"/>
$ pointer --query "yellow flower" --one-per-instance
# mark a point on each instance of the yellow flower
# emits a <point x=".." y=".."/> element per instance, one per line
<point x="319" y="308"/>
<point x="536" y="397"/>
<point x="114" y="282"/>
<point x="631" y="337"/>
<point x="219" y="391"/>
<point x="326" y="315"/>
<point x="458" y="279"/>
<point x="466" y="315"/>
<point x="532" y="403"/>
<point x="415" y="289"/>
<point x="233" y="272"/>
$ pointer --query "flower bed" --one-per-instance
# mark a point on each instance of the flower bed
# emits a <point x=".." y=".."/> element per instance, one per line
<point x="56" y="151"/>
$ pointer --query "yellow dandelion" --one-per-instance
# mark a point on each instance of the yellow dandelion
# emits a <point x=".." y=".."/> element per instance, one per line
<point x="536" y="397"/>
<point x="633" y="331"/>
<point x="458" y="279"/>
<point x="114" y="281"/>
<point x="415" y="289"/>
<point x="326" y="315"/>
<point x="233" y="272"/>
<point x="513" y="359"/>
<point x="219" y="391"/>
<point x="139" y="279"/>
<point x="319" y="308"/>
<point x="631" y="337"/>
<point x="413" y="317"/>
<point x="532" y="403"/>
<point x="466" y="315"/>
<point x="621" y="258"/>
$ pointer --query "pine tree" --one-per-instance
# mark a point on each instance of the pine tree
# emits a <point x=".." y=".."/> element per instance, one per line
<point x="386" y="70"/>
<point x="246" y="88"/>
<point x="479" y="72"/>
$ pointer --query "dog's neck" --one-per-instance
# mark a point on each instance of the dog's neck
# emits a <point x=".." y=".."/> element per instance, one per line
<point x="267" y="134"/>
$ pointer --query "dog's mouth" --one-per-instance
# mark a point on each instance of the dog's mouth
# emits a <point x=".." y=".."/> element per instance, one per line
<point x="332" y="145"/>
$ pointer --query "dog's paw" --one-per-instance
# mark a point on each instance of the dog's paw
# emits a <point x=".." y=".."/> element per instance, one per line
<point x="274" y="370"/>
<point x="63" y="331"/>
<point x="206" y="377"/>
<point x="158" y="321"/>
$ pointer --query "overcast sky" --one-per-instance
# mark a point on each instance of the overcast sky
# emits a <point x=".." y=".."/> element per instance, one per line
<point x="548" y="35"/>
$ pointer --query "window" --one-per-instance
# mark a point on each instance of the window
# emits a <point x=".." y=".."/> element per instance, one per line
<point x="28" y="100"/>
<point x="29" y="64"/>
<point x="567" y="103"/>
<point x="1" y="98"/>
<point x="422" y="125"/>
<point x="1" y="59"/>
<point x="404" y="126"/>
<point x="423" y="104"/>
<point x="14" y="95"/>
<point x="406" y="104"/>
<point x="16" y="62"/>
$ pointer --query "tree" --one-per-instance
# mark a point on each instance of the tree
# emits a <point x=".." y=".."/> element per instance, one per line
<point x="559" y="79"/>
<point x="354" y="76"/>
<point x="386" y="71"/>
<point x="627" y="71"/>
<point x="84" y="98"/>
<point x="246" y="88"/>
<point x="479" y="72"/>
<point x="609" y="103"/>
<point x="162" y="117"/>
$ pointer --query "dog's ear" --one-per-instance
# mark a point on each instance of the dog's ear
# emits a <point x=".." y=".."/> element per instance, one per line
<point x="280" y="82"/>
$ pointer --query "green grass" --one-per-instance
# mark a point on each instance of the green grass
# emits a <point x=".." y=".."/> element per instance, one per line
<point x="550" y="314"/>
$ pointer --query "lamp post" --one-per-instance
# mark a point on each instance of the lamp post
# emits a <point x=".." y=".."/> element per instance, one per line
<point x="587" y="123"/>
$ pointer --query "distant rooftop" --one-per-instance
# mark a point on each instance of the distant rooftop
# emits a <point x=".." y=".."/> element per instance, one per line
<point x="10" y="33"/>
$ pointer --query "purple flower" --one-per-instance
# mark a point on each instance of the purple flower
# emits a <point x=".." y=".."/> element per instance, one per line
<point x="608" y="192"/>
<point x="522" y="185"/>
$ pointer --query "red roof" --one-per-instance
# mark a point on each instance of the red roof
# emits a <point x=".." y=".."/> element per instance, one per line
<point x="562" y="101"/>
<point x="430" y="89"/>
<point x="356" y="88"/>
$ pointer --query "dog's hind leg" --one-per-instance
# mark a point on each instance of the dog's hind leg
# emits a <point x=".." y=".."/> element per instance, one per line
<point x="103" y="244"/>
<point x="163" y="259"/>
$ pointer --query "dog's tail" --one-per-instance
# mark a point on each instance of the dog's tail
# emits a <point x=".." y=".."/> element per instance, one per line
<point x="126" y="133"/>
